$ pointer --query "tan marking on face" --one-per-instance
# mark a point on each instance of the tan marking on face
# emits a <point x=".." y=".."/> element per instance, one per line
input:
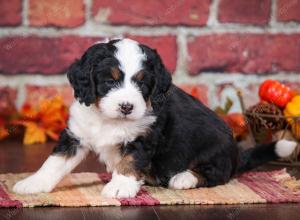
<point x="139" y="75"/>
<point x="115" y="73"/>
<point x="148" y="104"/>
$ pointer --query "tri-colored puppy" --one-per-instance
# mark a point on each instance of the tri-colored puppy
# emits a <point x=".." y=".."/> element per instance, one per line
<point x="143" y="128"/>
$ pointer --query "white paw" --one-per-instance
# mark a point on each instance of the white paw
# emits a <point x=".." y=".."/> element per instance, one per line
<point x="33" y="184"/>
<point x="184" y="180"/>
<point x="121" y="187"/>
<point x="285" y="148"/>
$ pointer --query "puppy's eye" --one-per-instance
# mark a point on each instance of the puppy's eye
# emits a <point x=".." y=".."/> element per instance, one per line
<point x="139" y="78"/>
<point x="140" y="82"/>
<point x="109" y="82"/>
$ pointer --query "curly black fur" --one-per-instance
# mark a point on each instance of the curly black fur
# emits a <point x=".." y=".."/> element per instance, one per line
<point x="84" y="74"/>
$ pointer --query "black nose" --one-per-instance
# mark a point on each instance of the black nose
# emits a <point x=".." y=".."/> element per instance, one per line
<point x="126" y="108"/>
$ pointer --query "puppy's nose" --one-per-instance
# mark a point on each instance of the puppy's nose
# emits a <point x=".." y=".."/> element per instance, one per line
<point x="126" y="108"/>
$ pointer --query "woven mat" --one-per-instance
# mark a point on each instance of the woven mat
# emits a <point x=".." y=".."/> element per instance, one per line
<point x="83" y="189"/>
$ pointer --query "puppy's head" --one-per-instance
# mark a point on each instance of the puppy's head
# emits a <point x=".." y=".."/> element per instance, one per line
<point x="122" y="78"/>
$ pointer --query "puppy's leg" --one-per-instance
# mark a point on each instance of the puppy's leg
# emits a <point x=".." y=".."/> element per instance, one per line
<point x="65" y="157"/>
<point x="126" y="181"/>
<point x="186" y="180"/>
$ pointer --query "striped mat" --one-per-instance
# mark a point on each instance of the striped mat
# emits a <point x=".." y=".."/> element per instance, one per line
<point x="83" y="189"/>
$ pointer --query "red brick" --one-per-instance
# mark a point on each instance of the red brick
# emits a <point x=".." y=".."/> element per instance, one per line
<point x="10" y="12"/>
<point x="246" y="53"/>
<point x="34" y="94"/>
<point x="288" y="10"/>
<point x="155" y="12"/>
<point x="54" y="55"/>
<point x="245" y="12"/>
<point x="166" y="46"/>
<point x="41" y="54"/>
<point x="61" y="13"/>
<point x="199" y="91"/>
<point x="7" y="100"/>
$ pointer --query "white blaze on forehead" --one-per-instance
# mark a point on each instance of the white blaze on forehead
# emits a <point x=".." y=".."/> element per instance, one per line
<point x="130" y="57"/>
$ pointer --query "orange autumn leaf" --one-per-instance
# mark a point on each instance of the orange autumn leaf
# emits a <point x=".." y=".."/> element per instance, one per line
<point x="53" y="135"/>
<point x="48" y="119"/>
<point x="3" y="131"/>
<point x="28" y="112"/>
<point x="196" y="91"/>
<point x="237" y="122"/>
<point x="53" y="114"/>
<point x="34" y="134"/>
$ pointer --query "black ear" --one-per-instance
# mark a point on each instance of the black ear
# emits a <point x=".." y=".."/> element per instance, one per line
<point x="83" y="75"/>
<point x="81" y="78"/>
<point x="163" y="81"/>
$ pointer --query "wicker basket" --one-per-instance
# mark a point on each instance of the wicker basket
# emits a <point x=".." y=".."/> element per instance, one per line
<point x="289" y="123"/>
<point x="290" y="131"/>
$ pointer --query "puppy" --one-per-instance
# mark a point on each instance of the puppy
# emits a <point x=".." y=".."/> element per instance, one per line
<point x="143" y="127"/>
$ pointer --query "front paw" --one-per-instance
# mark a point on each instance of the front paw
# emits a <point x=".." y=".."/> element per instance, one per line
<point x="121" y="187"/>
<point x="33" y="184"/>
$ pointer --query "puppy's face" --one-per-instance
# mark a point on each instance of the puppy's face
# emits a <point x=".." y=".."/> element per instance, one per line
<point x="124" y="84"/>
<point x="120" y="77"/>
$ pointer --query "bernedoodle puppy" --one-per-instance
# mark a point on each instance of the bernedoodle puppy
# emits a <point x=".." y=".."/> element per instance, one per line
<point x="143" y="127"/>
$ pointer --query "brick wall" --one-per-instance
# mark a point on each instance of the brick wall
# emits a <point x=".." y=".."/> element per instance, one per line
<point x="215" y="45"/>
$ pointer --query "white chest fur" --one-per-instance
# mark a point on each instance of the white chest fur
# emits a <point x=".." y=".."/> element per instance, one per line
<point x="103" y="135"/>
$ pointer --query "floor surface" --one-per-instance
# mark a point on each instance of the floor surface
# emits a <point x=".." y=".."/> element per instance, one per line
<point x="15" y="158"/>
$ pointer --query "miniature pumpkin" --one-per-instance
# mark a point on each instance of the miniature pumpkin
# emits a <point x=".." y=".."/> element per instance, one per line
<point x="292" y="109"/>
<point x="275" y="92"/>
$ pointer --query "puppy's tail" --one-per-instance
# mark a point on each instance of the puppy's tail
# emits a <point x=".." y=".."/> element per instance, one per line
<point x="264" y="153"/>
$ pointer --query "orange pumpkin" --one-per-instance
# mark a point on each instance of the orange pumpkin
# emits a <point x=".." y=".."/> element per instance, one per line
<point x="275" y="92"/>
<point x="292" y="109"/>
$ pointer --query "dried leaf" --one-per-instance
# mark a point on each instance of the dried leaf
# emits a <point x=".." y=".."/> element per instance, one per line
<point x="3" y="130"/>
<point x="34" y="134"/>
<point x="224" y="110"/>
<point x="3" y="133"/>
<point x="228" y="105"/>
<point x="47" y="119"/>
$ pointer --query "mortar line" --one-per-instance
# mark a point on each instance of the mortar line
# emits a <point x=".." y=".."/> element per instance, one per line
<point x="91" y="30"/>
<point x="213" y="14"/>
<point x="273" y="20"/>
<point x="25" y="11"/>
<point x="213" y="78"/>
<point x="181" y="67"/>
